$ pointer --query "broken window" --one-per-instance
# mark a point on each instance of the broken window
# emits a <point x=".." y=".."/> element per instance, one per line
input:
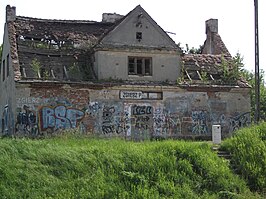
<point x="140" y="66"/>
<point x="139" y="36"/>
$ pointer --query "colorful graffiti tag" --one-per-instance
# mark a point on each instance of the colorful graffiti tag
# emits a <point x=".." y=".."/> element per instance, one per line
<point x="119" y="118"/>
<point x="60" y="117"/>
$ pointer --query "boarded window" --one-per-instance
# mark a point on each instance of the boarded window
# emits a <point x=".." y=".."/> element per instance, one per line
<point x="141" y="66"/>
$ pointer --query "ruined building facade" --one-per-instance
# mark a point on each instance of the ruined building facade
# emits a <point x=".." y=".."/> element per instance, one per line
<point x="117" y="77"/>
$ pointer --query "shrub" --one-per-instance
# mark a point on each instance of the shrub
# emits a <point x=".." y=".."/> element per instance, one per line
<point x="248" y="149"/>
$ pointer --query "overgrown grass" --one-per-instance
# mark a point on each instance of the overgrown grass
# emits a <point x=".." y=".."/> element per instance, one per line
<point x="248" y="149"/>
<point x="72" y="167"/>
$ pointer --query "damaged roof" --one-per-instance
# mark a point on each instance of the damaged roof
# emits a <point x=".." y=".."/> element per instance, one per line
<point x="60" y="49"/>
<point x="202" y="68"/>
<point x="206" y="66"/>
<point x="61" y="30"/>
<point x="63" y="49"/>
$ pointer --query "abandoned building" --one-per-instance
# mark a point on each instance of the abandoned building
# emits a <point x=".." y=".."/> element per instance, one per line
<point x="123" y="76"/>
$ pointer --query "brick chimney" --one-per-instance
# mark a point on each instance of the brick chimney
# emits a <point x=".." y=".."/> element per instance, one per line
<point x="211" y="31"/>
<point x="10" y="13"/>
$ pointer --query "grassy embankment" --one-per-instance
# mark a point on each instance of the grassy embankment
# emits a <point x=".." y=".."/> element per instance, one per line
<point x="78" y="167"/>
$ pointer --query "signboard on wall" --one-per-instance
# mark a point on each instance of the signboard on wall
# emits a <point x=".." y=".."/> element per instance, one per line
<point x="130" y="95"/>
<point x="138" y="95"/>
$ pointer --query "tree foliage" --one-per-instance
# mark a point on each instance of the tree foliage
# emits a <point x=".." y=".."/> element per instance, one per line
<point x="250" y="77"/>
<point x="188" y="50"/>
<point x="232" y="69"/>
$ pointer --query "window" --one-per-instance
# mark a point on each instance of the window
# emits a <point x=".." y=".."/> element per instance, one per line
<point x="7" y="65"/>
<point x="4" y="69"/>
<point x="140" y="66"/>
<point x="139" y="36"/>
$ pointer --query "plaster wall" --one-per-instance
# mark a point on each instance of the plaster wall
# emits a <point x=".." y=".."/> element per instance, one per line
<point x="113" y="64"/>
<point x="7" y="88"/>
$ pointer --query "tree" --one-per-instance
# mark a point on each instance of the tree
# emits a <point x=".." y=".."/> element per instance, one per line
<point x="233" y="70"/>
<point x="250" y="77"/>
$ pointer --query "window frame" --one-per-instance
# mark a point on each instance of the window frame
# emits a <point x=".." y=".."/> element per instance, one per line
<point x="140" y="66"/>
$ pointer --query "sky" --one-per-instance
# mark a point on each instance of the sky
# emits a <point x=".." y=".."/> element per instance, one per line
<point x="184" y="18"/>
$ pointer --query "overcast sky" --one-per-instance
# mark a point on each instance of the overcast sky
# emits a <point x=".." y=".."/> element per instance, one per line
<point x="184" y="18"/>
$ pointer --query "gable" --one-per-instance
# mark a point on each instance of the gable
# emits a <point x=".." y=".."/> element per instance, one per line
<point x="138" y="29"/>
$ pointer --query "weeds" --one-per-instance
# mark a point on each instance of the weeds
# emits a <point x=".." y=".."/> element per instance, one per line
<point x="248" y="148"/>
<point x="76" y="167"/>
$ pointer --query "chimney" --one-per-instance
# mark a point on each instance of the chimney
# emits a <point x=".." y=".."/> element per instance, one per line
<point x="10" y="13"/>
<point x="211" y="26"/>
<point x="111" y="17"/>
<point x="211" y="31"/>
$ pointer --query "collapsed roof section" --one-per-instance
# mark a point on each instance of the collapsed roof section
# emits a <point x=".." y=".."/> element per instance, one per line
<point x="196" y="64"/>
<point x="58" y="49"/>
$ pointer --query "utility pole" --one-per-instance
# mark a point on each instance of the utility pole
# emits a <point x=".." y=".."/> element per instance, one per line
<point x="257" y="69"/>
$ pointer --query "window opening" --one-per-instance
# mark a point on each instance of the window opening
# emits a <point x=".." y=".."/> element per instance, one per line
<point x="131" y="66"/>
<point x="139" y="36"/>
<point x="140" y="66"/>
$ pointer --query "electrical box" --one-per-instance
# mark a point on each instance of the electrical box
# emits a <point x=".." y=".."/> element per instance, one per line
<point x="216" y="134"/>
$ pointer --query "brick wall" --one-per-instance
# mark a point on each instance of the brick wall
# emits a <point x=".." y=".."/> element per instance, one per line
<point x="138" y="112"/>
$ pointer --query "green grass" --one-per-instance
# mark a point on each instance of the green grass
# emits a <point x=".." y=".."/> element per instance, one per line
<point x="72" y="167"/>
<point x="248" y="149"/>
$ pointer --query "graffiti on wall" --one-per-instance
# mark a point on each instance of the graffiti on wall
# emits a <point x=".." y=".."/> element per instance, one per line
<point x="93" y="109"/>
<point x="172" y="124"/>
<point x="166" y="124"/>
<point x="127" y="119"/>
<point x="60" y="117"/>
<point x="110" y="117"/>
<point x="29" y="100"/>
<point x="107" y="120"/>
<point x="27" y="121"/>
<point x="239" y="121"/>
<point x="141" y="116"/>
<point x="5" y="120"/>
<point x="159" y="121"/>
<point x="199" y="122"/>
